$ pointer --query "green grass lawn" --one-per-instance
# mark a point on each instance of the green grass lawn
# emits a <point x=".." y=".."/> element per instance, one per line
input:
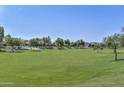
<point x="69" y="67"/>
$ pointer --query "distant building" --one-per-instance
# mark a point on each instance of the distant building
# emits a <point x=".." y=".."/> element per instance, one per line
<point x="86" y="45"/>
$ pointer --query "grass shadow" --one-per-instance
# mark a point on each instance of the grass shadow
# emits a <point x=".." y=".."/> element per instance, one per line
<point x="118" y="60"/>
<point x="121" y="59"/>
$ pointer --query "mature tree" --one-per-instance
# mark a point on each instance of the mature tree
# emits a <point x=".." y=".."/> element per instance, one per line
<point x="122" y="40"/>
<point x="67" y="43"/>
<point x="1" y="33"/>
<point x="11" y="41"/>
<point x="122" y="37"/>
<point x="44" y="42"/>
<point x="8" y="40"/>
<point x="34" y="42"/>
<point x="17" y="42"/>
<point x="59" y="42"/>
<point x="40" y="42"/>
<point x="80" y="43"/>
<point x="47" y="41"/>
<point x="113" y="42"/>
<point x="25" y="42"/>
<point x="73" y="44"/>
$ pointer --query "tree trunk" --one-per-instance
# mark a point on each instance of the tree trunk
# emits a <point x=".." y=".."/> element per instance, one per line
<point x="115" y="52"/>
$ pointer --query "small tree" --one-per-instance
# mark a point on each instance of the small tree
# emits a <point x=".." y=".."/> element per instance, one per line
<point x="113" y="42"/>
<point x="96" y="47"/>
<point x="73" y="44"/>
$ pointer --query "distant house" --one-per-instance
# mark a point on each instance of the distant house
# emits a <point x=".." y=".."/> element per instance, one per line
<point x="86" y="45"/>
<point x="92" y="44"/>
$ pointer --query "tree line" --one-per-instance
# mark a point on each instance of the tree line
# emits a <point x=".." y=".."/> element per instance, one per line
<point x="114" y="42"/>
<point x="44" y="42"/>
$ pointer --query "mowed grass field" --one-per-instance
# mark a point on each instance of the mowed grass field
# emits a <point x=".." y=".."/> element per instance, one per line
<point x="62" y="68"/>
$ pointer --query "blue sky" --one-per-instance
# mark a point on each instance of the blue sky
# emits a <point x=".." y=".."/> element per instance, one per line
<point x="90" y="23"/>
